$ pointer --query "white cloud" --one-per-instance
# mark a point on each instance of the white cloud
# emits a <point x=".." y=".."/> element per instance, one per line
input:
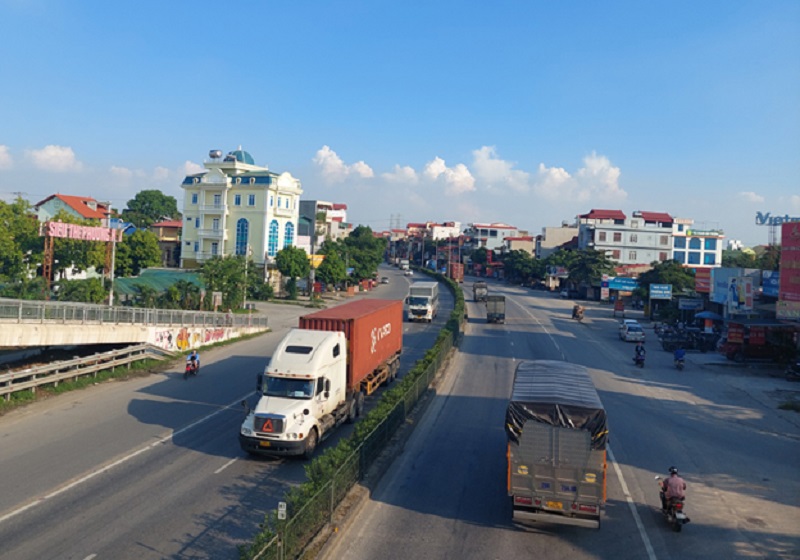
<point x="794" y="200"/>
<point x="750" y="196"/>
<point x="553" y="182"/>
<point x="6" y="161"/>
<point x="55" y="158"/>
<point x="493" y="170"/>
<point x="335" y="170"/>
<point x="122" y="172"/>
<point x="161" y="173"/>
<point x="192" y="168"/>
<point x="404" y="174"/>
<point x="458" y="179"/>
<point x="599" y="179"/>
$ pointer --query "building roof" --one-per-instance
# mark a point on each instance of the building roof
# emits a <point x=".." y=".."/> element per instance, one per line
<point x="656" y="217"/>
<point x="603" y="215"/>
<point x="168" y="223"/>
<point x="521" y="238"/>
<point x="339" y="206"/>
<point x="493" y="226"/>
<point x="81" y="205"/>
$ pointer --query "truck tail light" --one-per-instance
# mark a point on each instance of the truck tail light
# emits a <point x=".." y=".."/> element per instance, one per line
<point x="524" y="500"/>
<point x="587" y="508"/>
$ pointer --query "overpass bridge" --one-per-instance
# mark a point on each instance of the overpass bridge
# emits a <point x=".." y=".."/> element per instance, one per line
<point x="27" y="324"/>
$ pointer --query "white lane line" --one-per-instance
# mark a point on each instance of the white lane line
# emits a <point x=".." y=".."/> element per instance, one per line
<point x="226" y="465"/>
<point x="90" y="557"/>
<point x="550" y="336"/>
<point x="645" y="539"/>
<point x="116" y="463"/>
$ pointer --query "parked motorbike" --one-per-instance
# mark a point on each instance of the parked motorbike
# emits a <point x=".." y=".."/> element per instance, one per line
<point x="191" y="369"/>
<point x="679" y="364"/>
<point x="639" y="361"/>
<point x="674" y="512"/>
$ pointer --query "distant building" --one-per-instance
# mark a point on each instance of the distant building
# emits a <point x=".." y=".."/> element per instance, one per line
<point x="643" y="238"/>
<point x="696" y="247"/>
<point x="82" y="207"/>
<point x="491" y="236"/>
<point x="552" y="238"/>
<point x="322" y="220"/>
<point x="522" y="243"/>
<point x="168" y="233"/>
<point x="735" y="245"/>
<point x="235" y="207"/>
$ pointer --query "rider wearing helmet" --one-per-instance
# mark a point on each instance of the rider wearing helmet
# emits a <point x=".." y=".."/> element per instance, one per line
<point x="194" y="359"/>
<point x="672" y="488"/>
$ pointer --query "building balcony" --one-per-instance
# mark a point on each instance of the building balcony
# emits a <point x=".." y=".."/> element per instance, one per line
<point x="212" y="234"/>
<point x="213" y="209"/>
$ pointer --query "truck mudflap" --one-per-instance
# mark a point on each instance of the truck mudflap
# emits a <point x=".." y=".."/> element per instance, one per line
<point x="545" y="516"/>
<point x="271" y="448"/>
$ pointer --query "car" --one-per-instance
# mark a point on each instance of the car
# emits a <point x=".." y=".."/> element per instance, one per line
<point x="409" y="273"/>
<point x="384" y="280"/>
<point x="565" y="294"/>
<point x="625" y="322"/>
<point x="632" y="333"/>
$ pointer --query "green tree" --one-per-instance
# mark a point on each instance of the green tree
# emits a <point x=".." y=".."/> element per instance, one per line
<point x="292" y="262"/>
<point x="520" y="266"/>
<point x="770" y="258"/>
<point x="144" y="251"/>
<point x="149" y="207"/>
<point x="146" y="296"/>
<point x="90" y="290"/>
<point x="76" y="255"/>
<point x="364" y="252"/>
<point x="20" y="245"/>
<point x="226" y="275"/>
<point x="479" y="256"/>
<point x="587" y="266"/>
<point x="24" y="288"/>
<point x="738" y="258"/>
<point x="332" y="270"/>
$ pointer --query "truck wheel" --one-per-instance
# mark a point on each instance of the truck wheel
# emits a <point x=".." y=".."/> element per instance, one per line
<point x="311" y="444"/>
<point x="360" y="404"/>
<point x="352" y="412"/>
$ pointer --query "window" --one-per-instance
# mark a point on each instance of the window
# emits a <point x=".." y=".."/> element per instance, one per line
<point x="662" y="256"/>
<point x="188" y="243"/>
<point x="632" y="255"/>
<point x="663" y="239"/>
<point x="217" y="200"/>
<point x="492" y="233"/>
<point x="336" y="351"/>
<point x="710" y="244"/>
<point x="694" y="257"/>
<point x="680" y="227"/>
<point x="710" y="258"/>
<point x="287" y="202"/>
<point x="237" y="200"/>
<point x="196" y="246"/>
<point x="679" y="256"/>
<point x="615" y="254"/>
<point x="215" y="248"/>
<point x="601" y="236"/>
<point x="242" y="230"/>
<point x="288" y="234"/>
<point x="251" y="200"/>
<point x="272" y="244"/>
<point x="215" y="224"/>
<point x="695" y="243"/>
<point x="679" y="243"/>
<point x="280" y="199"/>
<point x="634" y="238"/>
<point x="197" y="222"/>
<point x="194" y="198"/>
<point x="271" y="201"/>
<point x="617" y="237"/>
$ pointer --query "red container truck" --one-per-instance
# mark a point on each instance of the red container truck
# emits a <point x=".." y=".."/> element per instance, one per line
<point x="320" y="373"/>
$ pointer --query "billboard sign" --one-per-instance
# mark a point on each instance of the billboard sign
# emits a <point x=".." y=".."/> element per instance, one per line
<point x="788" y="310"/>
<point x="790" y="263"/>
<point x="623" y="284"/>
<point x="740" y="295"/>
<point x="85" y="233"/>
<point x="770" y="283"/>
<point x="693" y="304"/>
<point x="702" y="280"/>
<point x="660" y="291"/>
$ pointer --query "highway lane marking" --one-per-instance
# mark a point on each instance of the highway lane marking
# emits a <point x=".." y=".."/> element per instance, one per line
<point x="90" y="557"/>
<point x="226" y="465"/>
<point x="645" y="539"/>
<point x="117" y="463"/>
<point x="550" y="336"/>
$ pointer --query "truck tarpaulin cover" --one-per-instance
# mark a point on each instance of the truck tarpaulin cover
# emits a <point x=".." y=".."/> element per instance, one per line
<point x="555" y="393"/>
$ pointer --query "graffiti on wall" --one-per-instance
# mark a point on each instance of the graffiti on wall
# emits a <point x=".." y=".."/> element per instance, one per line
<point x="182" y="339"/>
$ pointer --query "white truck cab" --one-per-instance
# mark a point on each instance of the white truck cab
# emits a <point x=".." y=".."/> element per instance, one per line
<point x="303" y="392"/>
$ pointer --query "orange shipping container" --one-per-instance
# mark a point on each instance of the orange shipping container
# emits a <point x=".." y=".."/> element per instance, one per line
<point x="374" y="331"/>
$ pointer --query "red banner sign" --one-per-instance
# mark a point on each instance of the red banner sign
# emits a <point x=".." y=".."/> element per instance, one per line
<point x="702" y="280"/>
<point x="735" y="333"/>
<point x="790" y="262"/>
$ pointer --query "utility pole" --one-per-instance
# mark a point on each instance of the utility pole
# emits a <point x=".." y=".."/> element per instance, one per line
<point x="114" y="231"/>
<point x="244" y="294"/>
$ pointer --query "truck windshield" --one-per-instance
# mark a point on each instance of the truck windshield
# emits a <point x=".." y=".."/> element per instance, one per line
<point x="417" y="300"/>
<point x="289" y="388"/>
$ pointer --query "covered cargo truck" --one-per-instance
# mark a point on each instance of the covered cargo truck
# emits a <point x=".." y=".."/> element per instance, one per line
<point x="423" y="301"/>
<point x="495" y="309"/>
<point x="479" y="291"/>
<point x="319" y="375"/>
<point x="557" y="434"/>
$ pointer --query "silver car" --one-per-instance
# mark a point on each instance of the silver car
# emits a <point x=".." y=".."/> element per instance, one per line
<point x="632" y="333"/>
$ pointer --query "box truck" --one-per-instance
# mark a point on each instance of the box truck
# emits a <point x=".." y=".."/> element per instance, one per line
<point x="557" y="433"/>
<point x="495" y="309"/>
<point x="319" y="375"/>
<point x="423" y="301"/>
<point x="479" y="291"/>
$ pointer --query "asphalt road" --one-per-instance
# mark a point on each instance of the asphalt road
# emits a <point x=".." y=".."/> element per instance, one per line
<point x="151" y="467"/>
<point x="445" y="496"/>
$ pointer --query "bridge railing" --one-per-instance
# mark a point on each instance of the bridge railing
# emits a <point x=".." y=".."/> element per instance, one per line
<point x="26" y="311"/>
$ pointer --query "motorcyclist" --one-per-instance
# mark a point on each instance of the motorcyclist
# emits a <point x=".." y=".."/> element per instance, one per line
<point x="672" y="488"/>
<point x="194" y="360"/>
<point x="679" y="355"/>
<point x="640" y="352"/>
<point x="577" y="312"/>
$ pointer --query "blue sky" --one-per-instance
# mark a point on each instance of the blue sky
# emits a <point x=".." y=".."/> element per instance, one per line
<point x="527" y="113"/>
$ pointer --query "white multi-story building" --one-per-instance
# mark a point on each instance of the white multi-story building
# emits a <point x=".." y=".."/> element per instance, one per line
<point x="696" y="247"/>
<point x="643" y="238"/>
<point x="491" y="236"/>
<point x="554" y="237"/>
<point x="237" y="208"/>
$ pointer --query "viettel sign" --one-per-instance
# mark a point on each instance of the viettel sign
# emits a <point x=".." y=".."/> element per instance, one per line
<point x="767" y="219"/>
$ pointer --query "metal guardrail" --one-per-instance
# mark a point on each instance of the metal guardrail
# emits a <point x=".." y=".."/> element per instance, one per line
<point x="26" y="311"/>
<point x="70" y="370"/>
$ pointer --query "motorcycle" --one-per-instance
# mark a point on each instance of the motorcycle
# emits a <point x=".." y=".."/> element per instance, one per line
<point x="793" y="372"/>
<point x="639" y="361"/>
<point x="679" y="364"/>
<point x="191" y="369"/>
<point x="674" y="512"/>
<point x="578" y="314"/>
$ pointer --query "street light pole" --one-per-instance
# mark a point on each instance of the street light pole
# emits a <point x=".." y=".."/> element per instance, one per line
<point x="244" y="294"/>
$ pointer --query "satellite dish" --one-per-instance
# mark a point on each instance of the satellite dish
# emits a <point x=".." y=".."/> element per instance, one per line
<point x="215" y="154"/>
